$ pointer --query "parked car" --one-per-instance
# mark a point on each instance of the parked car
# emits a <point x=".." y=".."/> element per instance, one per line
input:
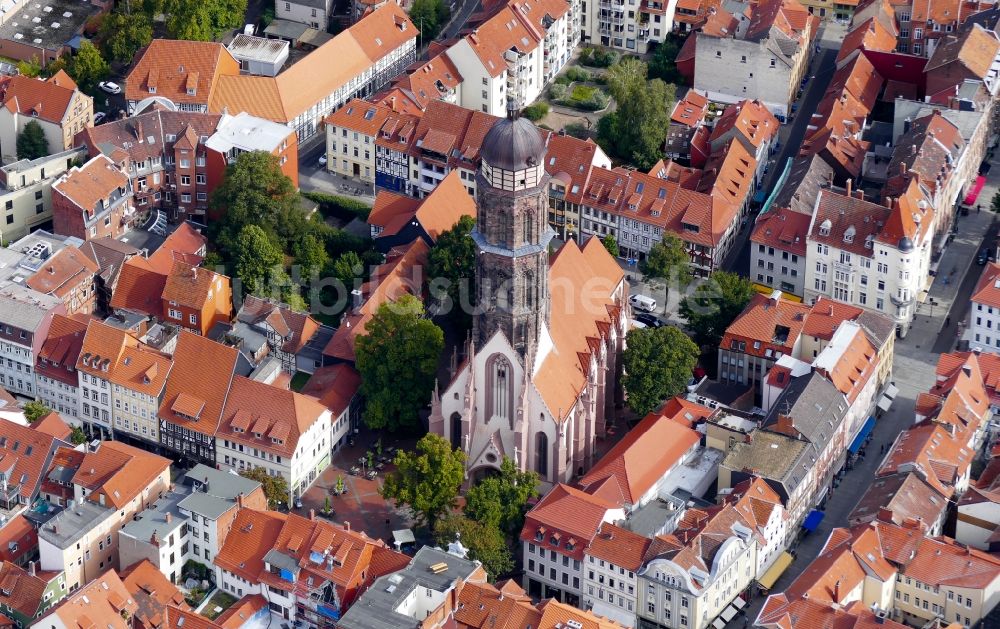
<point x="298" y="503"/>
<point x="99" y="117"/>
<point x="649" y="320"/>
<point x="983" y="257"/>
<point x="322" y="160"/>
<point x="110" y="87"/>
<point x="637" y="325"/>
<point x="642" y="302"/>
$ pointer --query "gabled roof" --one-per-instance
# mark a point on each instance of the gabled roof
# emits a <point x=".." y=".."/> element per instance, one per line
<point x="932" y="451"/>
<point x="637" y="462"/>
<point x="116" y="473"/>
<point x="437" y="212"/>
<point x="783" y="229"/>
<point x="768" y="325"/>
<point x="508" y="29"/>
<point x="252" y="534"/>
<point x="334" y="386"/>
<point x="975" y="48"/>
<point x="620" y="547"/>
<point x="190" y="380"/>
<point x="113" y="354"/>
<point x="68" y="269"/>
<point x="281" y="417"/>
<point x="750" y="120"/>
<point x="61" y="348"/>
<point x="870" y="34"/>
<point x="104" y="602"/>
<point x="900" y="497"/>
<point x="193" y="287"/>
<point x="90" y="185"/>
<point x="48" y="100"/>
<point x="568" y="515"/>
<point x="847" y="222"/>
<point x="24" y="455"/>
<point x="152" y="591"/>
<point x="987" y="290"/>
<point x="297" y="328"/>
<point x="182" y="71"/>
<point x="20" y="591"/>
<point x="690" y="110"/>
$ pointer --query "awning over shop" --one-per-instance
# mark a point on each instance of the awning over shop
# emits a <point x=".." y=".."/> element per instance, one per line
<point x="974" y="191"/>
<point x="403" y="536"/>
<point x="768" y="579"/>
<point x="884" y="403"/>
<point x="891" y="391"/>
<point x="719" y="623"/>
<point x="739" y="603"/>
<point x="728" y="613"/>
<point x="760" y="196"/>
<point x="859" y="439"/>
<point x="813" y="520"/>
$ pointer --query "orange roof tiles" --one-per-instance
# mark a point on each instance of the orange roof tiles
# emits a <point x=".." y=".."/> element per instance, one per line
<point x="975" y="48"/>
<point x="767" y="326"/>
<point x="241" y="611"/>
<point x="91" y="184"/>
<point x="619" y="547"/>
<point x="188" y="376"/>
<point x="944" y="562"/>
<point x="782" y="229"/>
<point x="296" y="328"/>
<point x="104" y="602"/>
<point x="54" y="425"/>
<point x="61" y="348"/>
<point x="570" y="513"/>
<point x="113" y="354"/>
<point x="826" y="315"/>
<point x="868" y="35"/>
<point x="556" y="615"/>
<point x="152" y="592"/>
<point x="23" y="453"/>
<point x="750" y="119"/>
<point x="183" y="71"/>
<point x="253" y="534"/>
<point x="276" y="414"/>
<point x="838" y="216"/>
<point x="116" y="473"/>
<point x="575" y="319"/>
<point x="483" y="605"/>
<point x="437" y="212"/>
<point x="637" y="462"/>
<point x="427" y="81"/>
<point x="48" y="100"/>
<point x="987" y="291"/>
<point x="19" y="590"/>
<point x="193" y="287"/>
<point x="63" y="272"/>
<point x="388" y="282"/>
<point x="334" y="386"/>
<point x="505" y="30"/>
<point x="690" y="110"/>
<point x="932" y="450"/>
<point x="18" y="539"/>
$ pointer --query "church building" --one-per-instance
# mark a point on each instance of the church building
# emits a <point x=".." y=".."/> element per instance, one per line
<point x="539" y="384"/>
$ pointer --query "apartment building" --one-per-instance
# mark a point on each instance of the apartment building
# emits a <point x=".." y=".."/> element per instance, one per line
<point x="26" y="191"/>
<point x="18" y="542"/>
<point x="163" y="153"/>
<point x="286" y="433"/>
<point x="353" y="133"/>
<point x="93" y="201"/>
<point x="121" y="385"/>
<point x="979" y="509"/>
<point x="762" y="56"/>
<point x="870" y="255"/>
<point x="433" y="587"/>
<point x="984" y="315"/>
<point x="366" y="56"/>
<point x="778" y="250"/>
<point x="25" y="318"/>
<point x="241" y="133"/>
<point x="902" y="499"/>
<point x="610" y="584"/>
<point x="110" y="485"/>
<point x="196" y="298"/>
<point x="155" y="595"/>
<point x="893" y="573"/>
<point x="26" y="594"/>
<point x="337" y="387"/>
<point x="310" y="570"/>
<point x="688" y="582"/>
<point x="24" y="467"/>
<point x="687" y="134"/>
<point x="923" y="26"/>
<point x="58" y="383"/>
<point x="554" y="545"/>
<point x="55" y="104"/>
<point x="182" y="73"/>
<point x="631" y="27"/>
<point x="396" y="220"/>
<point x="104" y="599"/>
<point x="510" y="56"/>
<point x="189" y="522"/>
<point x="194" y="399"/>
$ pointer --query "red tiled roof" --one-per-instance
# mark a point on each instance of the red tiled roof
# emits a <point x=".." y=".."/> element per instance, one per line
<point x="783" y="229"/>
<point x="767" y="326"/>
<point x="334" y="386"/>
<point x="572" y="514"/>
<point x="23" y="452"/>
<point x="188" y="376"/>
<point x="104" y="602"/>
<point x="48" y="100"/>
<point x="619" y="547"/>
<point x="643" y="456"/>
<point x="116" y="473"/>
<point x="281" y="417"/>
<point x="60" y="350"/>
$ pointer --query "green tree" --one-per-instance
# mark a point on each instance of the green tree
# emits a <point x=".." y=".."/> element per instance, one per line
<point x="536" y="111"/>
<point x="485" y="543"/>
<point x="500" y="501"/>
<point x="427" y="480"/>
<point x="429" y="16"/>
<point x="35" y="410"/>
<point x="124" y="34"/>
<point x="667" y="263"/>
<point x="635" y="131"/>
<point x="397" y="359"/>
<point x="714" y="305"/>
<point x="31" y="142"/>
<point x="201" y="20"/>
<point x="275" y="487"/>
<point x="255" y="257"/>
<point x="611" y="244"/>
<point x="451" y="265"/>
<point x="663" y="63"/>
<point x="995" y="204"/>
<point x="254" y="191"/>
<point x="77" y="436"/>
<point x="88" y="67"/>
<point x="29" y="68"/>
<point x="310" y="254"/>
<point x="347" y="268"/>
<point x="658" y="364"/>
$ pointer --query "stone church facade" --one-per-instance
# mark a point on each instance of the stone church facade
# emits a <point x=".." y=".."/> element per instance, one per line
<point x="540" y="381"/>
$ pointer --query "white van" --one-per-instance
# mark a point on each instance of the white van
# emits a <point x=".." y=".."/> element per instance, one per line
<point x="642" y="302"/>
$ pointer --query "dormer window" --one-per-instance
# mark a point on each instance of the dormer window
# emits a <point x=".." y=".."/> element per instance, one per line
<point x="849" y="234"/>
<point x="152" y="89"/>
<point x="825" y="227"/>
<point x="257" y="435"/>
<point x="539" y="536"/>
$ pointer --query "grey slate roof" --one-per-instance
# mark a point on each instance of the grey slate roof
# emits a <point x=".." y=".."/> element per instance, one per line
<point x="23" y="308"/>
<point x="211" y="492"/>
<point x="154" y="519"/>
<point x="816" y="407"/>
<point x="376" y="607"/>
<point x="72" y="523"/>
<point x="805" y="180"/>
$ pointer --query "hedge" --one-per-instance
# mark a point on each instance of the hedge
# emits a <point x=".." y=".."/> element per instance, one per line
<point x="344" y="208"/>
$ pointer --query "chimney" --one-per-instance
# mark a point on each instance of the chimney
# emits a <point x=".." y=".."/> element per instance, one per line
<point x="357" y="299"/>
<point x="347" y="525"/>
<point x="860" y="194"/>
<point x="168" y="517"/>
<point x="849" y="182"/>
<point x="911" y="523"/>
<point x="312" y="514"/>
<point x="836" y="591"/>
<point x="239" y="500"/>
<point x="902" y="165"/>
<point x="884" y="514"/>
<point x="31" y="568"/>
<point x="785" y="424"/>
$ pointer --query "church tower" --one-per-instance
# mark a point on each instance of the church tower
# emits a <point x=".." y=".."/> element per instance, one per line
<point x="512" y="235"/>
